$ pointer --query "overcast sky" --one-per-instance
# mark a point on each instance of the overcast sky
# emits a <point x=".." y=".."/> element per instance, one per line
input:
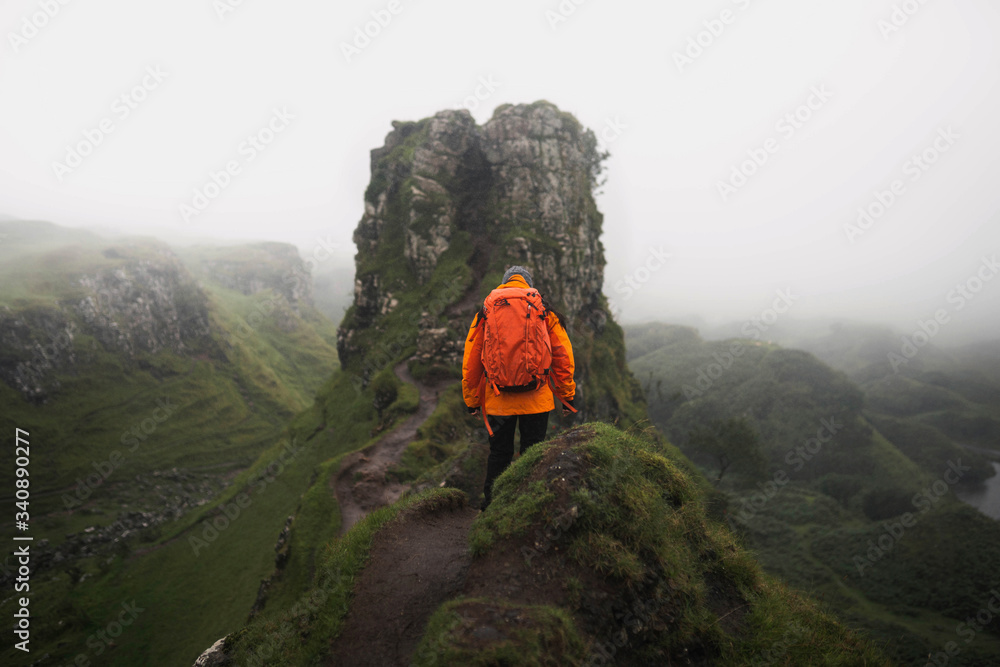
<point x="745" y="134"/>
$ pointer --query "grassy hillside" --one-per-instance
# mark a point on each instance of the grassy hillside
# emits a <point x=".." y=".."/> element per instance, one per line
<point x="139" y="435"/>
<point x="955" y="392"/>
<point x="629" y="569"/>
<point x="823" y="500"/>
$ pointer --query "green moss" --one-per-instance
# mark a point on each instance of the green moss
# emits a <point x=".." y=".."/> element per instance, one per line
<point x="438" y="439"/>
<point x="415" y="135"/>
<point x="639" y="524"/>
<point x="531" y="635"/>
<point x="302" y="633"/>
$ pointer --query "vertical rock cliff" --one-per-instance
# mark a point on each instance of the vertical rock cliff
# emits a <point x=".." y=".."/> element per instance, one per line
<point x="450" y="205"/>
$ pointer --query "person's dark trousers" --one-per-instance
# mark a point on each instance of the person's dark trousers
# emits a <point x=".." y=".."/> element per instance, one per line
<point x="532" y="428"/>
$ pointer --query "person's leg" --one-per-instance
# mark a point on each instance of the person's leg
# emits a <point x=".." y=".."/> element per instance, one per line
<point x="532" y="429"/>
<point x="501" y="452"/>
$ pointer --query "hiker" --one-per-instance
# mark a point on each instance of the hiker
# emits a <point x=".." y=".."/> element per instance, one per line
<point x="510" y="369"/>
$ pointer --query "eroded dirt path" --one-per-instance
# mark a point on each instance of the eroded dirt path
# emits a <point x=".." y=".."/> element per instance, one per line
<point x="361" y="485"/>
<point x="415" y="567"/>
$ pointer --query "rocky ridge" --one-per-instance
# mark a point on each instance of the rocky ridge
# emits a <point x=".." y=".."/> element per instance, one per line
<point x="147" y="301"/>
<point x="451" y="204"/>
<point x="144" y="304"/>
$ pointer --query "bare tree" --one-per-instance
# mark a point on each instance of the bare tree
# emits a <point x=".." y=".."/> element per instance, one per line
<point x="733" y="442"/>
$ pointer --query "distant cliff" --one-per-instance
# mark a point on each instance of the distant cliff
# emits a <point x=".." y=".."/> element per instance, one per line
<point x="148" y="378"/>
<point x="450" y="206"/>
<point x="140" y="299"/>
<point x="254" y="268"/>
<point x="129" y="299"/>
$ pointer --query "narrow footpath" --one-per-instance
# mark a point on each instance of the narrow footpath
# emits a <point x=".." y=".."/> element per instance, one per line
<point x="361" y="485"/>
<point x="414" y="567"/>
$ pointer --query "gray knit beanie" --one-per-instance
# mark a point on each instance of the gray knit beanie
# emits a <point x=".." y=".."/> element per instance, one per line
<point x="520" y="270"/>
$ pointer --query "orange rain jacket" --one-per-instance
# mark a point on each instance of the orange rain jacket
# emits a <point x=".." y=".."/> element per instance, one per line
<point x="522" y="403"/>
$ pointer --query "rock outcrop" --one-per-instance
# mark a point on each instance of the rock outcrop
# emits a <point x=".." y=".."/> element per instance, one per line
<point x="146" y="302"/>
<point x="450" y="206"/>
<point x="254" y="268"/>
<point x="145" y="306"/>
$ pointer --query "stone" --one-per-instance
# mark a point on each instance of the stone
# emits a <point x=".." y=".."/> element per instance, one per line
<point x="215" y="656"/>
<point x="516" y="190"/>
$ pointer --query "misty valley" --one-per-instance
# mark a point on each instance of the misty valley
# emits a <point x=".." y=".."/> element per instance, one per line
<point x="258" y="454"/>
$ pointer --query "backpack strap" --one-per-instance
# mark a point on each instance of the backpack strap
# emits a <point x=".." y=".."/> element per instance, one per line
<point x="481" y="322"/>
<point x="482" y="404"/>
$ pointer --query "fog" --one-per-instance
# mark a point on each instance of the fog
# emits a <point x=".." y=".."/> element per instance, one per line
<point x="842" y="155"/>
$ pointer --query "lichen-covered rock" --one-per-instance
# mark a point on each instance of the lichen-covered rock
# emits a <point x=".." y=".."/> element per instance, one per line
<point x="214" y="656"/>
<point x="36" y="343"/>
<point x="145" y="304"/>
<point x="450" y="205"/>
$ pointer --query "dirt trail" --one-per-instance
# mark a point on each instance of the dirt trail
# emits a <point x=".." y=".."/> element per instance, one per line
<point x="361" y="485"/>
<point x="414" y="568"/>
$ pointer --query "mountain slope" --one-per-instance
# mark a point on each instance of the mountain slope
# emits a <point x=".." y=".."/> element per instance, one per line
<point x="596" y="548"/>
<point x="450" y="205"/>
<point x="955" y="392"/>
<point x="147" y="381"/>
<point x="863" y="516"/>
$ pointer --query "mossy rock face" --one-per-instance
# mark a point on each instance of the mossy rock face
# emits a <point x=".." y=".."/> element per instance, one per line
<point x="605" y="528"/>
<point x="452" y="204"/>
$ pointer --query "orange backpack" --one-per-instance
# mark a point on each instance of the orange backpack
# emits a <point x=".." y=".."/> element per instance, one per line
<point x="517" y="352"/>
